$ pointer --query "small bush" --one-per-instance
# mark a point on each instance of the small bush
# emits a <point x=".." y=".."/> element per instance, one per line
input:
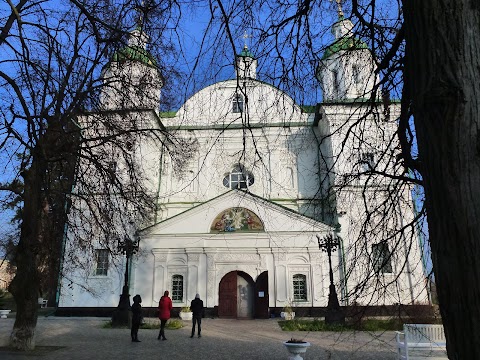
<point x="3" y="298"/>
<point x="287" y="308"/>
<point x="186" y="309"/>
<point x="6" y="301"/>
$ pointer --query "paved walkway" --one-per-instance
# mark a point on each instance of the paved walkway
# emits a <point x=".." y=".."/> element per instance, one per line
<point x="84" y="338"/>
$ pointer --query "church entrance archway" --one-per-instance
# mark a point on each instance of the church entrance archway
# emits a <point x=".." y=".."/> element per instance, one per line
<point x="261" y="296"/>
<point x="236" y="296"/>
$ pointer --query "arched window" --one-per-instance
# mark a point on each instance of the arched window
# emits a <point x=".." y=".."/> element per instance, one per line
<point x="299" y="287"/>
<point x="177" y="288"/>
<point x="237" y="103"/>
<point x="238" y="178"/>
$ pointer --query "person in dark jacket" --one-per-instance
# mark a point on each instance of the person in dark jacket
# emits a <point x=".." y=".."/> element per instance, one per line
<point x="164" y="307"/>
<point x="197" y="309"/>
<point x="136" y="317"/>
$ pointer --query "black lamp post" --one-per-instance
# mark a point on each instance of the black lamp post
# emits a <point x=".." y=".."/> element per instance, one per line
<point x="128" y="247"/>
<point x="334" y="313"/>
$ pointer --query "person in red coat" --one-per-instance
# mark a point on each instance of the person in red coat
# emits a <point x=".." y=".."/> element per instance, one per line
<point x="164" y="307"/>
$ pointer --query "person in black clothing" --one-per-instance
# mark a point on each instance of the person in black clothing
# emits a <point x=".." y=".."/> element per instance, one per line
<point x="197" y="309"/>
<point x="136" y="317"/>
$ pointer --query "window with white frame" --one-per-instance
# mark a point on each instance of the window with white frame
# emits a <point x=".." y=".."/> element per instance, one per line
<point x="177" y="288"/>
<point x="299" y="287"/>
<point x="382" y="258"/>
<point x="101" y="258"/>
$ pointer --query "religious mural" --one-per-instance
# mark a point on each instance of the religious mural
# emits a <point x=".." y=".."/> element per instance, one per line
<point x="236" y="219"/>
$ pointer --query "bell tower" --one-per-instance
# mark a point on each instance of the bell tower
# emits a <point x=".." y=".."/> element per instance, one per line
<point x="246" y="63"/>
<point x="346" y="70"/>
<point x="132" y="80"/>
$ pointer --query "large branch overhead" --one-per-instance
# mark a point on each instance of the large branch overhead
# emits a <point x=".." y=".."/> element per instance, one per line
<point x="14" y="16"/>
<point x="14" y="187"/>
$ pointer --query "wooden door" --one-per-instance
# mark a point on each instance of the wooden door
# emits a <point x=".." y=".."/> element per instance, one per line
<point x="227" y="296"/>
<point x="261" y="296"/>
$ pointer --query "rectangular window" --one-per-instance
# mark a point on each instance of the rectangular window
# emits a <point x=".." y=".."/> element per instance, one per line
<point x="382" y="258"/>
<point x="237" y="103"/>
<point x="177" y="288"/>
<point x="102" y="262"/>
<point x="299" y="287"/>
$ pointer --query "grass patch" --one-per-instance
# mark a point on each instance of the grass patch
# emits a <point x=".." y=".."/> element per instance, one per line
<point x="172" y="324"/>
<point x="108" y="325"/>
<point x="319" y="325"/>
<point x="381" y="325"/>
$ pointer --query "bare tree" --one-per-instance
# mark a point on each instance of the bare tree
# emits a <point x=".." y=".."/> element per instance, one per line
<point x="55" y="130"/>
<point x="441" y="72"/>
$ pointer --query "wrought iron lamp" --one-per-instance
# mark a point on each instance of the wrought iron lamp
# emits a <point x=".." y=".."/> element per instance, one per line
<point x="334" y="313"/>
<point x="128" y="246"/>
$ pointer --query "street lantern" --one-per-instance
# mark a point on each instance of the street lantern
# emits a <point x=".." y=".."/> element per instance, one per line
<point x="334" y="313"/>
<point x="127" y="246"/>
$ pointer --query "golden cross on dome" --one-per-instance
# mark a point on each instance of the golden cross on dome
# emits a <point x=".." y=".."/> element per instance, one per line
<point x="143" y="9"/>
<point x="245" y="37"/>
<point x="339" y="8"/>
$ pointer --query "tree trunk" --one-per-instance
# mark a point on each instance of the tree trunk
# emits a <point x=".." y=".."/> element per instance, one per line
<point x="442" y="72"/>
<point x="25" y="285"/>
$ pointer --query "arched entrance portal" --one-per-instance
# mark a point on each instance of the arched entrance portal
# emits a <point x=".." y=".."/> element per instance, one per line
<point x="236" y="295"/>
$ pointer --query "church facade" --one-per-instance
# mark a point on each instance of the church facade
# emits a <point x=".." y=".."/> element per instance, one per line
<point x="259" y="185"/>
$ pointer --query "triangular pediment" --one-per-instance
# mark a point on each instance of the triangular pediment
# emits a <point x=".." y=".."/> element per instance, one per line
<point x="257" y="215"/>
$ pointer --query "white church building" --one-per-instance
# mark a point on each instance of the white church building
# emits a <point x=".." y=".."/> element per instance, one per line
<point x="241" y="211"/>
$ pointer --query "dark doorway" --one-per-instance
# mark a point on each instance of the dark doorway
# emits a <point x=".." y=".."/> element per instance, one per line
<point x="261" y="296"/>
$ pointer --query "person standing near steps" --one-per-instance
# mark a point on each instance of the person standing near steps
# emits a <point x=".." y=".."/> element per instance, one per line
<point x="197" y="309"/>
<point x="164" y="307"/>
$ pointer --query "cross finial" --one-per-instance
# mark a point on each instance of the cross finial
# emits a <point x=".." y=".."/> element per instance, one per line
<point x="143" y="9"/>
<point x="140" y="14"/>
<point x="339" y="8"/>
<point x="245" y="37"/>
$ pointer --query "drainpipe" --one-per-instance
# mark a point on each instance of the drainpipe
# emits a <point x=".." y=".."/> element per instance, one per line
<point x="343" y="272"/>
